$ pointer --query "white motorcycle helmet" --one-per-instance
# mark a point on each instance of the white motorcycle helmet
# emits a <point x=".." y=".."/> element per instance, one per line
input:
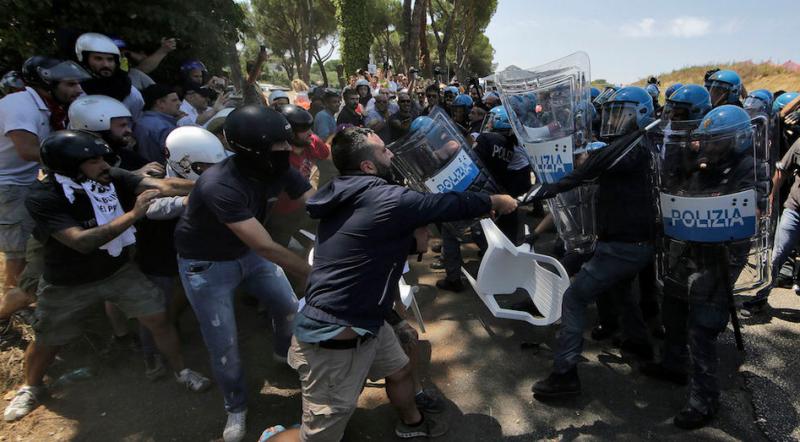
<point x="94" y="42"/>
<point x="192" y="149"/>
<point x="94" y="113"/>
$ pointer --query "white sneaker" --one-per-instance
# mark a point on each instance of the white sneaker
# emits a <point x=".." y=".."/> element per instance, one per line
<point x="796" y="288"/>
<point x="235" y="427"/>
<point x="26" y="399"/>
<point x="193" y="380"/>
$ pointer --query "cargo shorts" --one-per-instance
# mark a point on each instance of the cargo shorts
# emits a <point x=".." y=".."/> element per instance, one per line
<point x="61" y="310"/>
<point x="16" y="223"/>
<point x="332" y="380"/>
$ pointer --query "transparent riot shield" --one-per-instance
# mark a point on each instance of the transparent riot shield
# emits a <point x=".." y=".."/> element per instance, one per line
<point x="436" y="158"/>
<point x="550" y="110"/>
<point x="713" y="198"/>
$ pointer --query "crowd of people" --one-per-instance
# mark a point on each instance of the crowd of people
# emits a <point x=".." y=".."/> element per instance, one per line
<point x="141" y="196"/>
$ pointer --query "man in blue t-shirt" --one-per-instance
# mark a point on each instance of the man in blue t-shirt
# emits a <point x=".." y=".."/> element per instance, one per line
<point x="223" y="245"/>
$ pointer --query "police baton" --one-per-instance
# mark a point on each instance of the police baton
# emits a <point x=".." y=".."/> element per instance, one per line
<point x="724" y="262"/>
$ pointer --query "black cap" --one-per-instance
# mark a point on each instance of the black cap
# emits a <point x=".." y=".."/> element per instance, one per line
<point x="155" y="92"/>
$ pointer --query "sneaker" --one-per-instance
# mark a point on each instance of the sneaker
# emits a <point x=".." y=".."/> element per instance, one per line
<point x="752" y="307"/>
<point x="437" y="265"/>
<point x="450" y="285"/>
<point x="429" y="427"/>
<point x="658" y="371"/>
<point x="235" y="427"/>
<point x="692" y="419"/>
<point x="559" y="384"/>
<point x="26" y="399"/>
<point x="436" y="248"/>
<point x="193" y="380"/>
<point x="429" y="403"/>
<point x="796" y="289"/>
<point x="154" y="367"/>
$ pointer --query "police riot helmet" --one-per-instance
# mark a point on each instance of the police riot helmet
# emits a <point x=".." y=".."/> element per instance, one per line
<point x="759" y="101"/>
<point x="500" y="121"/>
<point x="191" y="150"/>
<point x="451" y="90"/>
<point x="723" y="135"/>
<point x="689" y="103"/>
<point x="252" y="130"/>
<point x="94" y="42"/>
<point x="595" y="92"/>
<point x="671" y="90"/>
<point x="95" y="112"/>
<point x="782" y="100"/>
<point x="724" y="87"/>
<point x="190" y="65"/>
<point x="462" y="100"/>
<point x="630" y="108"/>
<point x="64" y="151"/>
<point x="300" y="119"/>
<point x="45" y="72"/>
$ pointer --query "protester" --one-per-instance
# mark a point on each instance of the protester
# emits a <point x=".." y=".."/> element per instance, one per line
<point x="222" y="244"/>
<point x="340" y="334"/>
<point x="100" y="56"/>
<point x="162" y="109"/>
<point x="26" y="118"/>
<point x="140" y="64"/>
<point x="377" y="118"/>
<point x="84" y="212"/>
<point x="349" y="113"/>
<point x="400" y="122"/>
<point x="325" y="120"/>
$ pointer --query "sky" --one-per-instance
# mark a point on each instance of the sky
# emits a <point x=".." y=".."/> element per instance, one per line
<point x="627" y="40"/>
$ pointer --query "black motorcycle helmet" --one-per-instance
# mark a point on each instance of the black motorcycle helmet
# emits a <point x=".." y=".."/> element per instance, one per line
<point x="299" y="118"/>
<point x="251" y="131"/>
<point x="64" y="151"/>
<point x="45" y="72"/>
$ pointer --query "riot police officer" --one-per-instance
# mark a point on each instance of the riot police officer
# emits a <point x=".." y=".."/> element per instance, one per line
<point x="711" y="201"/>
<point x="725" y="87"/>
<point x="625" y="214"/>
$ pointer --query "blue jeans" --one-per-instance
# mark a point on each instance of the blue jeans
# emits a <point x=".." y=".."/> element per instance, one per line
<point x="210" y="287"/>
<point x="786" y="236"/>
<point x="611" y="264"/>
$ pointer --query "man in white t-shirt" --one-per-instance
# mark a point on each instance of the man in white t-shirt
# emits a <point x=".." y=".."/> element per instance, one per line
<point x="195" y="105"/>
<point x="26" y="118"/>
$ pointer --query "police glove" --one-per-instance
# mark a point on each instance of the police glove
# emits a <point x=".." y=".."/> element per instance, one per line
<point x="539" y="192"/>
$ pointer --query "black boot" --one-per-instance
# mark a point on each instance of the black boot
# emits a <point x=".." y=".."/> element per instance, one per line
<point x="692" y="419"/>
<point x="658" y="371"/>
<point x="601" y="332"/>
<point x="452" y="285"/>
<point x="559" y="384"/>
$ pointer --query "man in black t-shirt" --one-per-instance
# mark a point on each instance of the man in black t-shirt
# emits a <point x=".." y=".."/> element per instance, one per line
<point x="349" y="113"/>
<point x="84" y="212"/>
<point x="222" y="245"/>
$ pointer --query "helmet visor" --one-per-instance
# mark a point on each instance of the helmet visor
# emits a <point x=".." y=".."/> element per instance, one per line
<point x="619" y="118"/>
<point x="755" y="104"/>
<point x="66" y="70"/>
<point x="675" y="111"/>
<point x="719" y="91"/>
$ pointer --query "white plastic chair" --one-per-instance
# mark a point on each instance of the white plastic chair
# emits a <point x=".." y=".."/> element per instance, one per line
<point x="506" y="268"/>
<point x="407" y="292"/>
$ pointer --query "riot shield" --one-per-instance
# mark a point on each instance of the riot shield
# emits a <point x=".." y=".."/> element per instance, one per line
<point x="436" y="158"/>
<point x="713" y="202"/>
<point x="550" y="110"/>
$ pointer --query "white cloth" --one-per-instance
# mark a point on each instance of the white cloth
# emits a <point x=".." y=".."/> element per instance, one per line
<point x="106" y="207"/>
<point x="191" y="115"/>
<point x="25" y="111"/>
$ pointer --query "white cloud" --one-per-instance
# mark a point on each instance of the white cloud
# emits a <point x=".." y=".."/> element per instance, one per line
<point x="643" y="28"/>
<point x="687" y="27"/>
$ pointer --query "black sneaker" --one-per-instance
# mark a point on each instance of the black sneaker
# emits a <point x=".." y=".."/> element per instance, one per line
<point x="437" y="265"/>
<point x="436" y="248"/>
<point x="450" y="285"/>
<point x="691" y="419"/>
<point x="752" y="307"/>
<point x="429" y="427"/>
<point x="601" y="332"/>
<point x="429" y="403"/>
<point x="559" y="384"/>
<point x="642" y="350"/>
<point x="658" y="371"/>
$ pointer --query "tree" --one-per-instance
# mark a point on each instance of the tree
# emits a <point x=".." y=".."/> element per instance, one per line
<point x="352" y="17"/>
<point x="296" y="30"/>
<point x="471" y="17"/>
<point x="50" y="27"/>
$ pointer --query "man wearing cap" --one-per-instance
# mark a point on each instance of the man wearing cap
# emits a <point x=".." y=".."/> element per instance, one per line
<point x="195" y="105"/>
<point x="162" y="109"/>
